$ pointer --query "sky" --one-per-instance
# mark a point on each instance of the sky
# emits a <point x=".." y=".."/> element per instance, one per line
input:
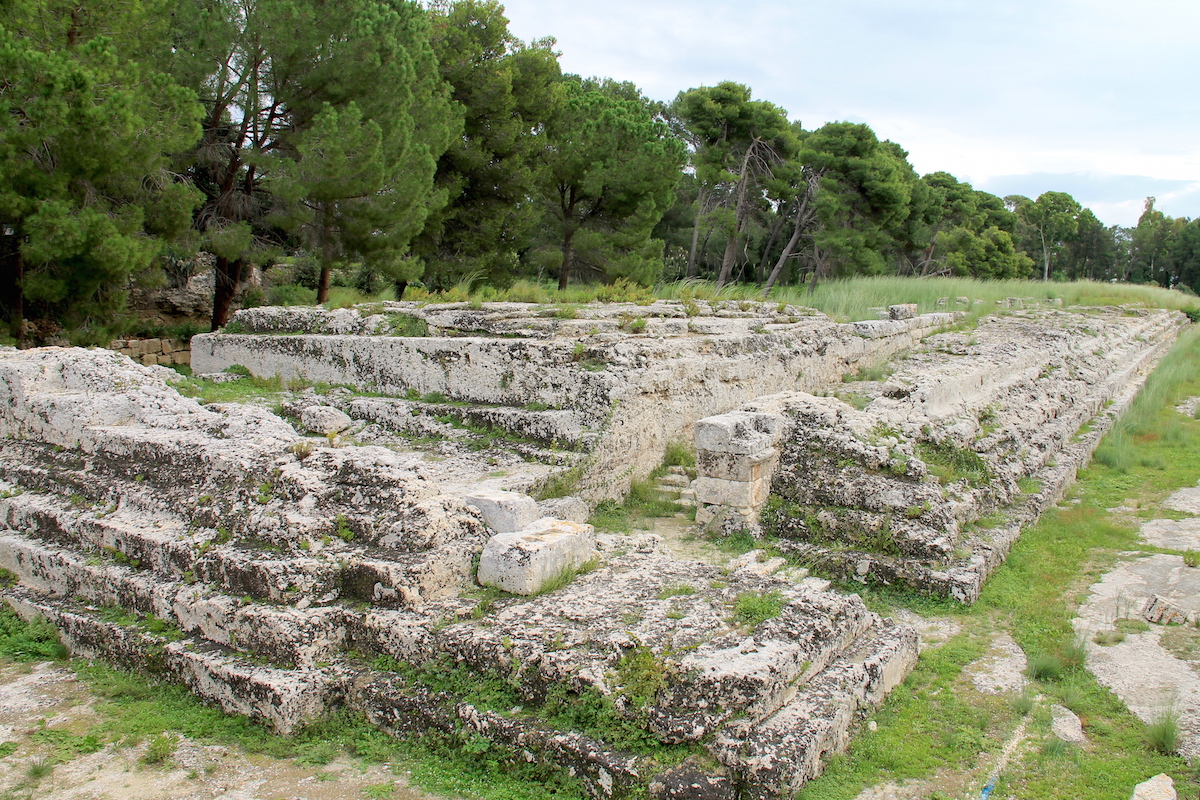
<point x="1096" y="98"/>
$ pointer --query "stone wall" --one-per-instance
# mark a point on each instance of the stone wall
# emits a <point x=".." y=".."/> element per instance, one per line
<point x="167" y="352"/>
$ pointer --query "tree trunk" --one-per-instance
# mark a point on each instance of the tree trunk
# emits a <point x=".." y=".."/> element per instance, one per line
<point x="804" y="215"/>
<point x="739" y="212"/>
<point x="787" y="251"/>
<point x="227" y="276"/>
<point x="766" y="256"/>
<point x="568" y="258"/>
<point x="818" y="264"/>
<point x="1045" y="258"/>
<point x="701" y="201"/>
<point x="12" y="299"/>
<point x="401" y="288"/>
<point x="326" y="256"/>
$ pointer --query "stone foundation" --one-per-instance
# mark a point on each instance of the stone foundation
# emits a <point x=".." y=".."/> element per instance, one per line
<point x="622" y="395"/>
<point x="278" y="576"/>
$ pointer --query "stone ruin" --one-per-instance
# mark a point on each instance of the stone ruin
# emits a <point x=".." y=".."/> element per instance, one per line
<point x="281" y="565"/>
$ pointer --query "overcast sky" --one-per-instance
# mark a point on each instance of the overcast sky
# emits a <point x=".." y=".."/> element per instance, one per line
<point x="1097" y="98"/>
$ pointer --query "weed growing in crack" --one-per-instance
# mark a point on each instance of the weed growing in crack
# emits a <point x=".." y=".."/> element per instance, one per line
<point x="753" y="608"/>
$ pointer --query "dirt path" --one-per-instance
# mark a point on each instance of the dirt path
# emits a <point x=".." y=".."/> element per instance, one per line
<point x="1150" y="656"/>
<point x="44" y="705"/>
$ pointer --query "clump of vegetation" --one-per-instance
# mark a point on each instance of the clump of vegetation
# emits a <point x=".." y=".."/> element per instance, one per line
<point x="342" y="528"/>
<point x="951" y="463"/>
<point x="406" y="325"/>
<point x="1162" y="735"/>
<point x="754" y="608"/>
<point x="160" y="749"/>
<point x="676" y="590"/>
<point x="1046" y="667"/>
<point x="36" y="640"/>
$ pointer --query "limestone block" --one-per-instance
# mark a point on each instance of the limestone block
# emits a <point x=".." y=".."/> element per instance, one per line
<point x="737" y="432"/>
<point x="572" y="509"/>
<point x="148" y="359"/>
<point x="505" y="512"/>
<point x="693" y="781"/>
<point x="736" y="466"/>
<point x="166" y="346"/>
<point x="524" y="562"/>
<point x="1065" y="725"/>
<point x="902" y="311"/>
<point x="739" y="494"/>
<point x="1160" y="787"/>
<point x="324" y="420"/>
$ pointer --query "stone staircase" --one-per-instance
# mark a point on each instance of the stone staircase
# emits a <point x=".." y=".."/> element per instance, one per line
<point x="676" y="485"/>
<point x="890" y="482"/>
<point x="280" y="576"/>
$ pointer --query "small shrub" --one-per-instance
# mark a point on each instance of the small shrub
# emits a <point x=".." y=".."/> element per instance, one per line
<point x="679" y="454"/>
<point x="1192" y="558"/>
<point x="434" y="397"/>
<point x="641" y="675"/>
<point x="676" y="590"/>
<point x="407" y="326"/>
<point x="1074" y="655"/>
<point x="1108" y="638"/>
<point x="342" y="528"/>
<point x="638" y="325"/>
<point x="951" y="463"/>
<point x="753" y="609"/>
<point x="301" y="450"/>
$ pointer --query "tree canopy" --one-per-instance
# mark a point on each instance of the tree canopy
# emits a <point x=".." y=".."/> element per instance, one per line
<point x="425" y="144"/>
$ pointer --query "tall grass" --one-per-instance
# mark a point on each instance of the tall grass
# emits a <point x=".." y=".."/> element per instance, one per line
<point x="849" y="299"/>
<point x="1149" y="417"/>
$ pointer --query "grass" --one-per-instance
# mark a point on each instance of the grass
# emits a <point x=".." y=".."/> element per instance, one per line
<point x="1162" y="735"/>
<point x="849" y="299"/>
<point x="753" y="609"/>
<point x="643" y="501"/>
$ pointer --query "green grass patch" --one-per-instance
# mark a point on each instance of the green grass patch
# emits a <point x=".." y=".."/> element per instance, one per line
<point x="753" y="608"/>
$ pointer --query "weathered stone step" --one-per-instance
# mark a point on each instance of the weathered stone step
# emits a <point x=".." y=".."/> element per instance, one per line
<point x="284" y="634"/>
<point x="577" y="636"/>
<point x="248" y="567"/>
<point x="677" y="479"/>
<point x="285" y="698"/>
<point x="775" y="756"/>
